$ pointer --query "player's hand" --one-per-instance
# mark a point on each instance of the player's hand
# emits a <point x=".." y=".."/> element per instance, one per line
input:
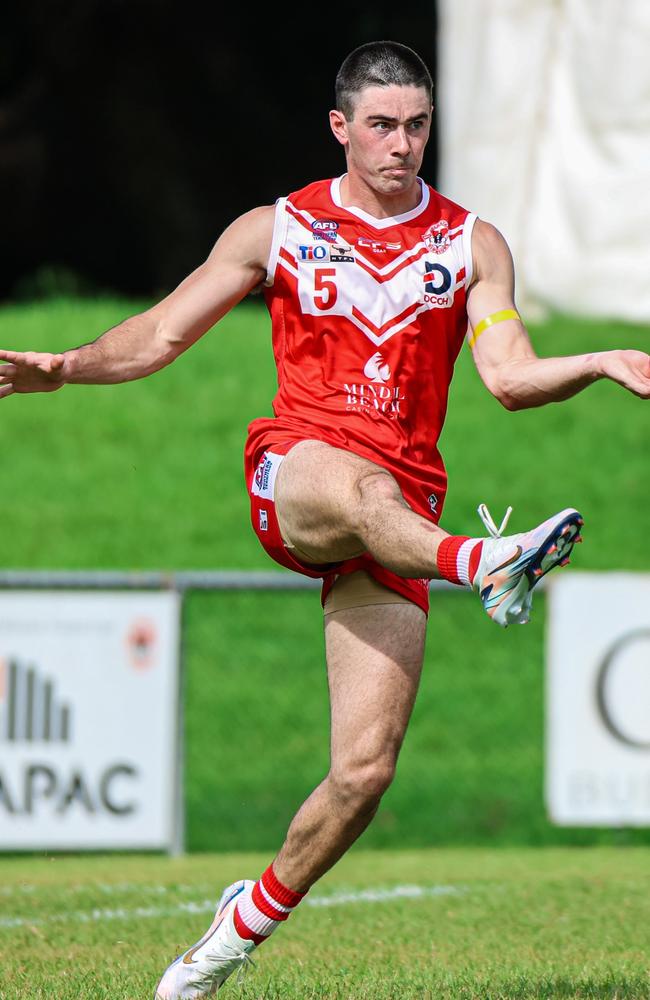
<point x="631" y="369"/>
<point x="30" y="372"/>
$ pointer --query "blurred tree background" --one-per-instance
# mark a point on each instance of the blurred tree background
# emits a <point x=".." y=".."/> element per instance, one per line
<point x="132" y="133"/>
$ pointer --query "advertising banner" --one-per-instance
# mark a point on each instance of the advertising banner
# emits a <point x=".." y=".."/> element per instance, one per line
<point x="598" y="700"/>
<point x="89" y="720"/>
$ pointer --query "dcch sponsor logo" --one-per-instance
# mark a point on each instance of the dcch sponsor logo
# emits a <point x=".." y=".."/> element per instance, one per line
<point x="437" y="282"/>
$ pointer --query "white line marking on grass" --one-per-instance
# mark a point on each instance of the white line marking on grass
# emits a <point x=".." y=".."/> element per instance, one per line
<point x="209" y="906"/>
<point x="118" y="913"/>
<point x="382" y="895"/>
<point x="106" y="888"/>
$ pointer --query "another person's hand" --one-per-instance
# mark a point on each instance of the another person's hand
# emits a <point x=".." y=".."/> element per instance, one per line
<point x="30" y="372"/>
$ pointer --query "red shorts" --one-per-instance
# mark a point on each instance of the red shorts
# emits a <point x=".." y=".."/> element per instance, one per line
<point x="261" y="469"/>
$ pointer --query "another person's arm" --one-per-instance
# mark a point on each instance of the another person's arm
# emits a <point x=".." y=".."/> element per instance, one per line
<point x="149" y="341"/>
<point x="503" y="353"/>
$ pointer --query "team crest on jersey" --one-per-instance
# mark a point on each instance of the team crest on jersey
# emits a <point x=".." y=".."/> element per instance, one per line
<point x="325" y="229"/>
<point x="436" y="238"/>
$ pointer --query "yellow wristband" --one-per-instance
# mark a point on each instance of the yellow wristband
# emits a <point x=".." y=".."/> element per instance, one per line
<point x="497" y="317"/>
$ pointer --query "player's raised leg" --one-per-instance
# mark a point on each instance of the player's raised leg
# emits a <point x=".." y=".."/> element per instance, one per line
<point x="374" y="660"/>
<point x="333" y="505"/>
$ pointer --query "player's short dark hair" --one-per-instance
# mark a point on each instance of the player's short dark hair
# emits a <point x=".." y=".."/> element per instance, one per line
<point x="379" y="64"/>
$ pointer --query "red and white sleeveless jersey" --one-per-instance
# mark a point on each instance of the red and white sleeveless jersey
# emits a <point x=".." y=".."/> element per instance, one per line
<point x="368" y="316"/>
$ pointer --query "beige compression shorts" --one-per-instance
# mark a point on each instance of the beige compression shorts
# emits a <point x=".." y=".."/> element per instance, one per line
<point x="359" y="590"/>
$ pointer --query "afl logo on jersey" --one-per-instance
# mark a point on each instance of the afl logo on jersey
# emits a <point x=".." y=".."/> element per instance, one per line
<point x="436" y="238"/>
<point x="325" y="229"/>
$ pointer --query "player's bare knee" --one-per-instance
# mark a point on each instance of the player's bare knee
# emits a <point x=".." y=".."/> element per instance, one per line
<point x="359" y="786"/>
<point x="375" y="489"/>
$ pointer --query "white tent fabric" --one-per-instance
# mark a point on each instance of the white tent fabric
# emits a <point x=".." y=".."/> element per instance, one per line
<point x="544" y="117"/>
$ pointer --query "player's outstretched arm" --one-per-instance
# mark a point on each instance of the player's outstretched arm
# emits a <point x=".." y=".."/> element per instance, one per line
<point x="148" y="341"/>
<point x="502" y="351"/>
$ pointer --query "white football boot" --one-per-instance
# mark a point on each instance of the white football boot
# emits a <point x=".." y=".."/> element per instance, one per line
<point x="202" y="969"/>
<point x="511" y="566"/>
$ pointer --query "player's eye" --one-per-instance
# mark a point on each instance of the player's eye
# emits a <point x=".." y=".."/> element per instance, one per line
<point x="381" y="126"/>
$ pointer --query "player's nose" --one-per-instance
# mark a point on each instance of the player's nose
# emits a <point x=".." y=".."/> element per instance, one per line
<point x="401" y="145"/>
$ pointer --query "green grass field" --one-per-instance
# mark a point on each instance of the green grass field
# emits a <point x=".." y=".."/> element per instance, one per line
<point x="468" y="924"/>
<point x="149" y="476"/>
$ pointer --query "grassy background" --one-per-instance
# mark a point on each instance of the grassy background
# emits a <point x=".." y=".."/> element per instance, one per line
<point x="507" y="925"/>
<point x="149" y="476"/>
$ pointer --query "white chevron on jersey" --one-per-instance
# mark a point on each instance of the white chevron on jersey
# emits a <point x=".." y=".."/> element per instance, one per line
<point x="414" y="251"/>
<point x="398" y="323"/>
<point x="378" y="317"/>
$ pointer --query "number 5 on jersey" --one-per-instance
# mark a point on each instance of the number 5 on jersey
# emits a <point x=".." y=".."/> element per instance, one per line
<point x="324" y="288"/>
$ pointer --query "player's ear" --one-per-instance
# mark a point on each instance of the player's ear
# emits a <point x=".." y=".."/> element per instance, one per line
<point x="339" y="126"/>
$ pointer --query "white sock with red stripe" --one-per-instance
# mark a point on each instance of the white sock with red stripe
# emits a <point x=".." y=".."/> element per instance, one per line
<point x="269" y="903"/>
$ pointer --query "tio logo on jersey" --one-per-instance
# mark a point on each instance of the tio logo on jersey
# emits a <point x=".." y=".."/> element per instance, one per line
<point x="318" y="252"/>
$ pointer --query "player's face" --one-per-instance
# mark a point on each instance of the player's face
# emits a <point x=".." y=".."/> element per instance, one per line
<point x="386" y="136"/>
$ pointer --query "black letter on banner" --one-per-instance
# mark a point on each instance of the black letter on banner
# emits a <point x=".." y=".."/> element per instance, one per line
<point x="78" y="791"/>
<point x="5" y="797"/>
<point x="104" y="791"/>
<point x="607" y="663"/>
<point x="32" y="791"/>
